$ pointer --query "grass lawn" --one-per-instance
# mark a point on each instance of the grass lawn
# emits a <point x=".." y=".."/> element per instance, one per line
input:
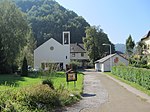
<point x="13" y="81"/>
<point x="60" y="79"/>
<point x="137" y="86"/>
<point x="25" y="94"/>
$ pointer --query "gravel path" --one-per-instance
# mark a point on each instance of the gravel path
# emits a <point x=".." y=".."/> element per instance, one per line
<point x="94" y="94"/>
<point x="102" y="94"/>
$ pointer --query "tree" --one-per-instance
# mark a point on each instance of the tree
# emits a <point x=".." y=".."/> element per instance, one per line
<point x="48" y="20"/>
<point x="93" y="41"/>
<point x="129" y="45"/>
<point x="2" y="57"/>
<point x="140" y="48"/>
<point x="24" y="70"/>
<point x="14" y="31"/>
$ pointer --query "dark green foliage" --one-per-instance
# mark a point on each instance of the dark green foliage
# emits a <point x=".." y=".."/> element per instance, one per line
<point x="48" y="19"/>
<point x="138" y="75"/>
<point x="49" y="82"/>
<point x="93" y="42"/>
<point x="24" y="67"/>
<point x="14" y="34"/>
<point x="2" y="57"/>
<point x="129" y="45"/>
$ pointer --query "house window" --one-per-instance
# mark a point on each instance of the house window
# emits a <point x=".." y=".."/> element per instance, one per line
<point x="73" y="54"/>
<point x="66" y="57"/>
<point x="82" y="54"/>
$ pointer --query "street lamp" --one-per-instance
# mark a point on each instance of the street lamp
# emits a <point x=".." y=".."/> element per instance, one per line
<point x="110" y="52"/>
<point x="109" y="46"/>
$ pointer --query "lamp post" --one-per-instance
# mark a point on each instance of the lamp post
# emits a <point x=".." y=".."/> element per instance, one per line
<point x="109" y="47"/>
<point x="110" y="52"/>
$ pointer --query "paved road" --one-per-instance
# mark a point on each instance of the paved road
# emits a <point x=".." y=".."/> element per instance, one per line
<point x="102" y="94"/>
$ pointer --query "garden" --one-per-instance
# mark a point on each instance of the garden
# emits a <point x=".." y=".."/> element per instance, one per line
<point x="39" y="92"/>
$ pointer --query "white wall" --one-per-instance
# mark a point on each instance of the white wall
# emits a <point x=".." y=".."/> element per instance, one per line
<point x="43" y="53"/>
<point x="97" y="66"/>
<point x="147" y="43"/>
<point x="121" y="60"/>
<point x="105" y="66"/>
<point x="78" y="56"/>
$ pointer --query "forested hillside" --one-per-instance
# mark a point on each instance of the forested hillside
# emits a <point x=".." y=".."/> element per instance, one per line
<point x="48" y="19"/>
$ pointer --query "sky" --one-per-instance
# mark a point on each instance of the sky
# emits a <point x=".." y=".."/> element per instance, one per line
<point x="117" y="18"/>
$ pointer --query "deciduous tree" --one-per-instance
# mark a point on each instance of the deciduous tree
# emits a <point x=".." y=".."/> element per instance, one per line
<point x="14" y="30"/>
<point x="93" y="42"/>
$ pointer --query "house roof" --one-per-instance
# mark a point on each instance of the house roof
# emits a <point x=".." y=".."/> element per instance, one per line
<point x="146" y="36"/>
<point x="76" y="48"/>
<point x="107" y="57"/>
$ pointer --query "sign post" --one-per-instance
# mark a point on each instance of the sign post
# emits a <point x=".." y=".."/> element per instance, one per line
<point x="71" y="76"/>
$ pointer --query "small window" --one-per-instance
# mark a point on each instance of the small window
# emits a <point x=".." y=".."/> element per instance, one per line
<point x="73" y="54"/>
<point x="66" y="38"/>
<point x="82" y="54"/>
<point x="66" y="57"/>
<point x="51" y="48"/>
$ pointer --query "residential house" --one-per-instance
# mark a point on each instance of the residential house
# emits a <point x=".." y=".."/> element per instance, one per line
<point x="146" y="41"/>
<point x="105" y="64"/>
<point x="78" y="53"/>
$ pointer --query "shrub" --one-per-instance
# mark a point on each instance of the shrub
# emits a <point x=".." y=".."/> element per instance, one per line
<point x="49" y="82"/>
<point x="140" y="76"/>
<point x="38" y="98"/>
<point x="24" y="67"/>
<point x="74" y="65"/>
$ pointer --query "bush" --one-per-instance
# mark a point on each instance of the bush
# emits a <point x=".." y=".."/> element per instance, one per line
<point x="38" y="98"/>
<point x="74" y="65"/>
<point x="24" y="67"/>
<point x="49" y="83"/>
<point x="140" y="76"/>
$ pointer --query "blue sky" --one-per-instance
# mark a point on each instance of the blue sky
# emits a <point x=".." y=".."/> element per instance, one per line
<point x="118" y="18"/>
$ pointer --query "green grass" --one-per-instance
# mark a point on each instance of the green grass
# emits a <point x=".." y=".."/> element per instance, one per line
<point x="137" y="86"/>
<point x="60" y="79"/>
<point x="14" y="81"/>
<point x="25" y="94"/>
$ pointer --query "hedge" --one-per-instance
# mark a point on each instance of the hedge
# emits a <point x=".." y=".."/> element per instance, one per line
<point x="137" y="75"/>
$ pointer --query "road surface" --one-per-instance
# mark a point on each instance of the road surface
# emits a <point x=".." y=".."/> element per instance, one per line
<point x="102" y="94"/>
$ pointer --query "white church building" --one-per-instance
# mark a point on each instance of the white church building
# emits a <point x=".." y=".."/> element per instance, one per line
<point x="53" y="52"/>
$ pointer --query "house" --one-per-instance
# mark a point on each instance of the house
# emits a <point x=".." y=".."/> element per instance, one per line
<point x="107" y="62"/>
<point x="60" y="54"/>
<point x="53" y="52"/>
<point x="146" y="41"/>
<point x="78" y="53"/>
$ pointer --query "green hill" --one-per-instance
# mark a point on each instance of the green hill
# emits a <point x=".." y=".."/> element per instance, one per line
<point x="48" y="19"/>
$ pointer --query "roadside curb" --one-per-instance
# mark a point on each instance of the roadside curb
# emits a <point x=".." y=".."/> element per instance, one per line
<point x="131" y="89"/>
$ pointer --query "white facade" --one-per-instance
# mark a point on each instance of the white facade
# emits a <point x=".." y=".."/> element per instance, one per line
<point x="146" y="41"/>
<point x="79" y="56"/>
<point x="53" y="52"/>
<point x="104" y="65"/>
